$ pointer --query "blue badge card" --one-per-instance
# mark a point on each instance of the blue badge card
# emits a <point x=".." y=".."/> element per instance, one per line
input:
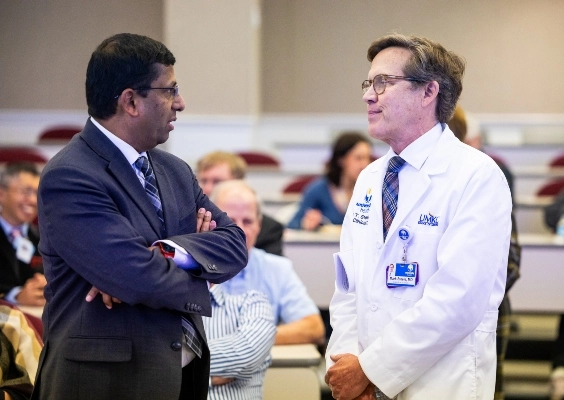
<point x="402" y="274"/>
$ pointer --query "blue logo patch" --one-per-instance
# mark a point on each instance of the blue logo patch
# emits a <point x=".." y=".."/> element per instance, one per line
<point x="428" y="219"/>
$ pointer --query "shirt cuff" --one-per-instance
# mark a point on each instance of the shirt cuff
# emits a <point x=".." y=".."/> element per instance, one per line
<point x="11" y="296"/>
<point x="181" y="258"/>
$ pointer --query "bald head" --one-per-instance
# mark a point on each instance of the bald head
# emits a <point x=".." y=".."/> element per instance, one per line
<point x="241" y="204"/>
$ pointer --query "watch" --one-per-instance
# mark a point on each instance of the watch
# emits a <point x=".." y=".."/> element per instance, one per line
<point x="166" y="250"/>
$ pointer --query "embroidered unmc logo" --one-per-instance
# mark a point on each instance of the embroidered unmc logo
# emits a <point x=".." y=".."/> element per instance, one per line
<point x="428" y="219"/>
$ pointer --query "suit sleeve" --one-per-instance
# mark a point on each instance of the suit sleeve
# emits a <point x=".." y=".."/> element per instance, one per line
<point x="91" y="225"/>
<point x="221" y="253"/>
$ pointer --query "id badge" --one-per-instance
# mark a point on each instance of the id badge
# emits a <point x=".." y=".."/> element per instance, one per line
<point x="24" y="249"/>
<point x="402" y="274"/>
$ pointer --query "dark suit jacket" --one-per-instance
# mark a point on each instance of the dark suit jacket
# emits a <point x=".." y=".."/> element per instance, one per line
<point x="270" y="236"/>
<point x="96" y="223"/>
<point x="14" y="272"/>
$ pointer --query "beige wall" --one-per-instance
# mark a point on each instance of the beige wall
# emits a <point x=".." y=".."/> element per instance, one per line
<point x="313" y="51"/>
<point x="216" y="44"/>
<point x="45" y="46"/>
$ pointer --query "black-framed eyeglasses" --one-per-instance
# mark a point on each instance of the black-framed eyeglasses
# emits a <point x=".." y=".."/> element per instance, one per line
<point x="172" y="90"/>
<point x="379" y="82"/>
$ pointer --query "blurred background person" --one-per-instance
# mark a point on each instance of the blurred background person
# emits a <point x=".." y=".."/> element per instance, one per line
<point x="459" y="126"/>
<point x="325" y="200"/>
<point x="296" y="315"/>
<point x="552" y="215"/>
<point x="240" y="334"/>
<point x="20" y="346"/>
<point x="21" y="270"/>
<point x="220" y="166"/>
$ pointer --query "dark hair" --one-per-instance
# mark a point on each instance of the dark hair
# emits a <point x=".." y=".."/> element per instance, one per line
<point x="13" y="169"/>
<point x="341" y="146"/>
<point x="429" y="61"/>
<point x="122" y="61"/>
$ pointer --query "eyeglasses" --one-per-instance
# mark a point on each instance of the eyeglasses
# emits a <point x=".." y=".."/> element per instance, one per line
<point x="23" y="191"/>
<point x="379" y="82"/>
<point x="172" y="90"/>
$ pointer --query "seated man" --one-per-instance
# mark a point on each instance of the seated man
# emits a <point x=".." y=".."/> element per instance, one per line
<point x="295" y="313"/>
<point x="240" y="335"/>
<point x="220" y="166"/>
<point x="21" y="269"/>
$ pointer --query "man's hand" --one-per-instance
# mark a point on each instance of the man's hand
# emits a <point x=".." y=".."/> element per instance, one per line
<point x="204" y="223"/>
<point x="32" y="291"/>
<point x="219" y="380"/>
<point x="368" y="393"/>
<point x="106" y="298"/>
<point x="346" y="379"/>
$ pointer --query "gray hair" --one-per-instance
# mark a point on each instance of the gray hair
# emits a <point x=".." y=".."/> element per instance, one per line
<point x="13" y="169"/>
<point x="429" y="61"/>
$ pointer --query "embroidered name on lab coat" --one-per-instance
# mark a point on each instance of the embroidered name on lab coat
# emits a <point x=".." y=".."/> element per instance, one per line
<point x="360" y="214"/>
<point x="428" y="219"/>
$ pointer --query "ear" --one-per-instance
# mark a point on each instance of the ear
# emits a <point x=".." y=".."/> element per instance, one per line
<point x="128" y="102"/>
<point x="430" y="93"/>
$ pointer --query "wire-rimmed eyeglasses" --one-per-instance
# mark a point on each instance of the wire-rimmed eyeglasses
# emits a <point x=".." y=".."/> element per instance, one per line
<point x="379" y="82"/>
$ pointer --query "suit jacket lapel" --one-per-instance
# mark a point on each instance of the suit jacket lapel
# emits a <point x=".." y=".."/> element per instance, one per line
<point x="7" y="249"/>
<point x="120" y="169"/>
<point x="166" y="192"/>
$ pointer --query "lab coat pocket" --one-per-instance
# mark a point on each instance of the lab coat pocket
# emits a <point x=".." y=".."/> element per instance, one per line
<point x="344" y="271"/>
<point x="422" y="249"/>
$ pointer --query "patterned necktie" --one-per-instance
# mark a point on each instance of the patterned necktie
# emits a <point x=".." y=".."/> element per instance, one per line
<point x="14" y="235"/>
<point x="192" y="339"/>
<point x="190" y="334"/>
<point x="150" y="185"/>
<point x="390" y="191"/>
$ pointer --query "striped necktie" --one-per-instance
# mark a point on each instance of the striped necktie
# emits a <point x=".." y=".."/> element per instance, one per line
<point x="192" y="339"/>
<point x="390" y="191"/>
<point x="150" y="185"/>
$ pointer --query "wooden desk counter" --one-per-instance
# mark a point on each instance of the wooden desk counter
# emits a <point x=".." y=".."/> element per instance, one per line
<point x="539" y="289"/>
<point x="295" y="355"/>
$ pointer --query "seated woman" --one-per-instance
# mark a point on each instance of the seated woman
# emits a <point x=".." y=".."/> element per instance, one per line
<point x="325" y="200"/>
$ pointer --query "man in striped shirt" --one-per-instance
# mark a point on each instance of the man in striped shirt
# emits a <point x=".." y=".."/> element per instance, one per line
<point x="297" y="317"/>
<point x="240" y="335"/>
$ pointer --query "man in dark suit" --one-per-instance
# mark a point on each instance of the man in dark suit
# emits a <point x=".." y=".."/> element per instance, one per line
<point x="21" y="272"/>
<point x="220" y="166"/>
<point x="105" y="201"/>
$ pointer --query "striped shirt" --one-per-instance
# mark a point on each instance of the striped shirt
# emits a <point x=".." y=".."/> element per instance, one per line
<point x="240" y="335"/>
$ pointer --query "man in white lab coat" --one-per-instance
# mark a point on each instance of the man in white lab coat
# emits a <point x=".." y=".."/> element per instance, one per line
<point x="417" y="293"/>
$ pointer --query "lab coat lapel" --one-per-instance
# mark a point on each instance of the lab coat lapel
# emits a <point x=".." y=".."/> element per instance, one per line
<point x="414" y="183"/>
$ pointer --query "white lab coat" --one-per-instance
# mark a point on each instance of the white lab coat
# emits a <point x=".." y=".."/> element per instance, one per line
<point x="435" y="340"/>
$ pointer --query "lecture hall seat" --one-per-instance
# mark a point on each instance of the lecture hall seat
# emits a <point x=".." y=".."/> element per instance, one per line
<point x="551" y="188"/>
<point x="14" y="154"/>
<point x="298" y="184"/>
<point x="557" y="162"/>
<point x="258" y="159"/>
<point x="58" y="134"/>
